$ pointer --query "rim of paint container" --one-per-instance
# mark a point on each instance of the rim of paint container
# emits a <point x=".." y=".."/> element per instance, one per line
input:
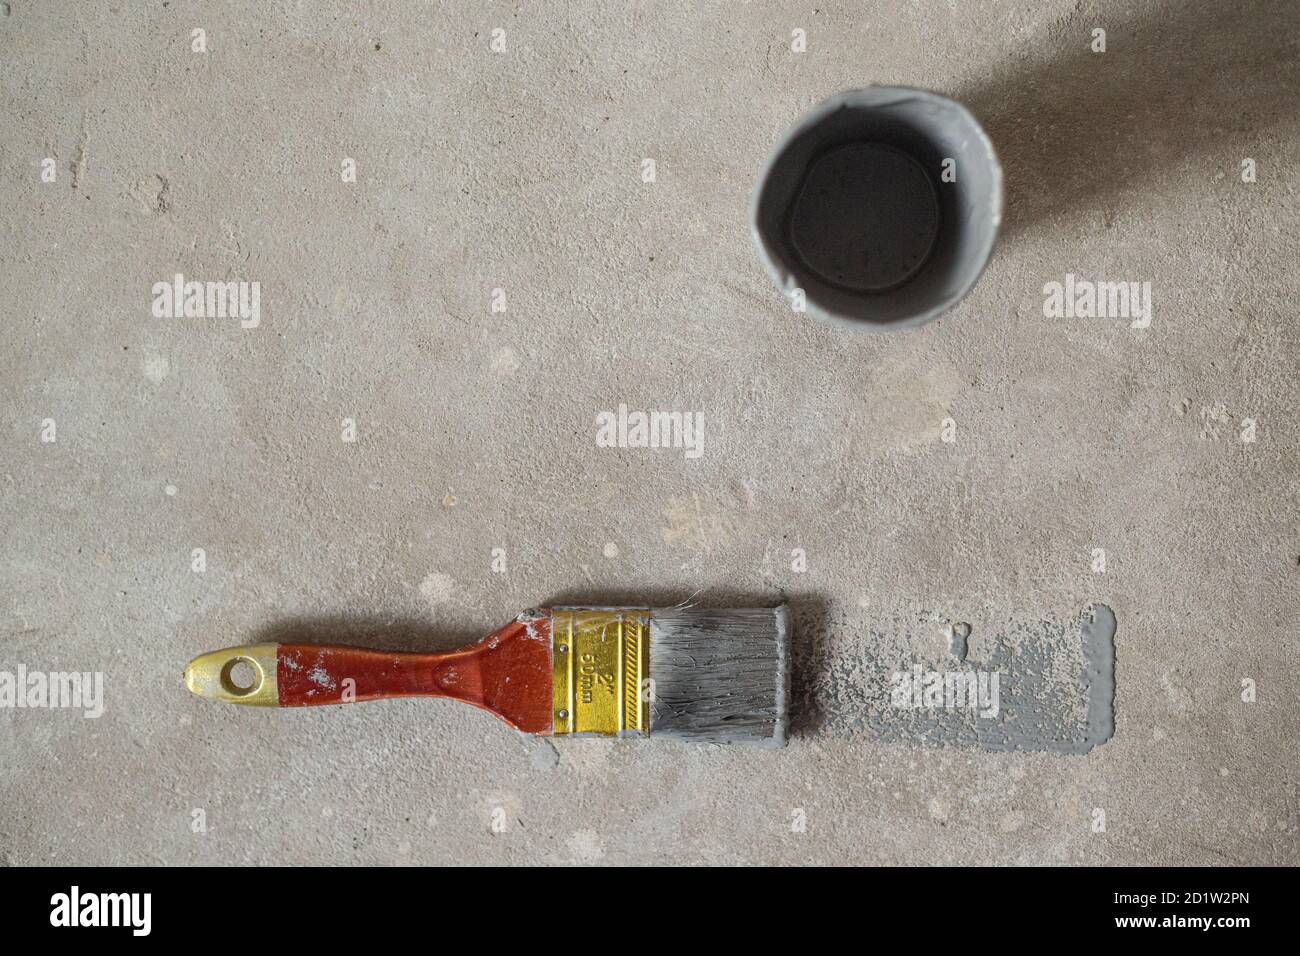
<point x="873" y="96"/>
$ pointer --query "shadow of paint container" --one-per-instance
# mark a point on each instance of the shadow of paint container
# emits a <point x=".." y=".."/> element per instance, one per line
<point x="882" y="205"/>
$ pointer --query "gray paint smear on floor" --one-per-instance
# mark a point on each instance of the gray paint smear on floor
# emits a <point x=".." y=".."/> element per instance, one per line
<point x="1051" y="684"/>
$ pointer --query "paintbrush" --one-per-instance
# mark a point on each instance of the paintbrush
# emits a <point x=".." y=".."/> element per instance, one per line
<point x="713" y="676"/>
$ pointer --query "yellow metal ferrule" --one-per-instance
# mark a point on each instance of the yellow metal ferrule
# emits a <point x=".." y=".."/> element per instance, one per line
<point x="218" y="677"/>
<point x="601" y="662"/>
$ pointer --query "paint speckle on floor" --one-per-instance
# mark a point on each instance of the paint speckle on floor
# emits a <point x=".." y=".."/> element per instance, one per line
<point x="504" y="362"/>
<point x="543" y="754"/>
<point x="585" y="847"/>
<point x="156" y="367"/>
<point x="437" y="589"/>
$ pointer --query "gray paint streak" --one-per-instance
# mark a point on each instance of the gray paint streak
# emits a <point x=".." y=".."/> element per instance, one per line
<point x="1056" y="685"/>
<point x="958" y="635"/>
<point x="1099" y="673"/>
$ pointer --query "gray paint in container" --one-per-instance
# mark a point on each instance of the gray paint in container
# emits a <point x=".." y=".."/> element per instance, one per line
<point x="882" y="205"/>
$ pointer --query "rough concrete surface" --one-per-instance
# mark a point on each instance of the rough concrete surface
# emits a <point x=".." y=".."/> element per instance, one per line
<point x="1172" y="448"/>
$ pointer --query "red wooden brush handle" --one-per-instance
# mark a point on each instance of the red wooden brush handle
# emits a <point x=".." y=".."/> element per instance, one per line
<point x="330" y="674"/>
<point x="507" y="673"/>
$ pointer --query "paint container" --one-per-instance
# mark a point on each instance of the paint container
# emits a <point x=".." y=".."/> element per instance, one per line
<point x="882" y="205"/>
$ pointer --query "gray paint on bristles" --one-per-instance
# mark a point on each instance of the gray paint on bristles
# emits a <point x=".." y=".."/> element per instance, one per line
<point x="720" y="676"/>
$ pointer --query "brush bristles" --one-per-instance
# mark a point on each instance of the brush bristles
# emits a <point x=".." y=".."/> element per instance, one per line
<point x="720" y="676"/>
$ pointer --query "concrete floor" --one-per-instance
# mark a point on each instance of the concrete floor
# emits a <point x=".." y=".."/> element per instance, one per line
<point x="521" y="171"/>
